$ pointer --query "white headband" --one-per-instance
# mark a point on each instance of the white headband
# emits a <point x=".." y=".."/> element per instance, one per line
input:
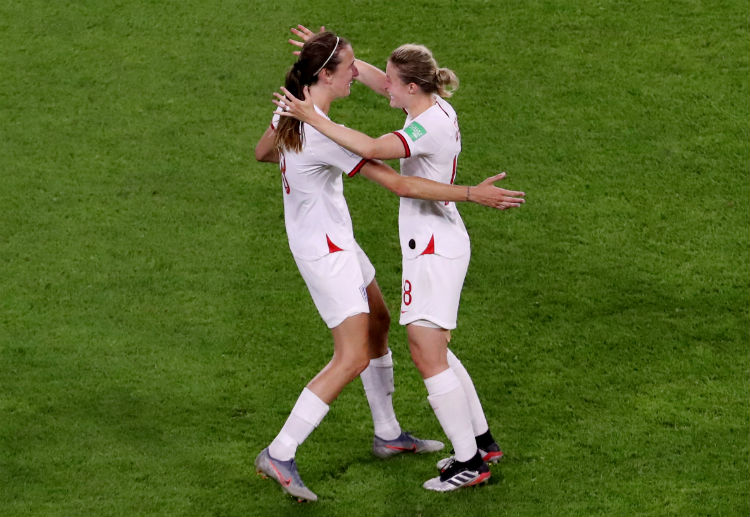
<point x="329" y="57"/>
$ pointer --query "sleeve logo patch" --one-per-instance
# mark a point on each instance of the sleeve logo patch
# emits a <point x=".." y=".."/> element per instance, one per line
<point x="415" y="131"/>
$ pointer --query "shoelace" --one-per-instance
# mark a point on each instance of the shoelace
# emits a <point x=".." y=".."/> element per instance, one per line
<point x="446" y="472"/>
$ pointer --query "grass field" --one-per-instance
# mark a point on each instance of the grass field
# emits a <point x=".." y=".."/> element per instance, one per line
<point x="155" y="333"/>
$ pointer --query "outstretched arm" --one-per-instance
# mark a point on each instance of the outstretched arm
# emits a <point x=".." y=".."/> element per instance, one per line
<point x="420" y="188"/>
<point x="386" y="147"/>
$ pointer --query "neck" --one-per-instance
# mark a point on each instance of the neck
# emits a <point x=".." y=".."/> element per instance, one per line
<point x="419" y="104"/>
<point x="321" y="97"/>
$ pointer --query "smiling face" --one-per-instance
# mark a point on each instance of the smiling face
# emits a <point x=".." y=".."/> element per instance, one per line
<point x="398" y="91"/>
<point x="341" y="78"/>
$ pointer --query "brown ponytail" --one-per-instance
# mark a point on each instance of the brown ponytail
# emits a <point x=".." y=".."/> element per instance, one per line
<point x="318" y="53"/>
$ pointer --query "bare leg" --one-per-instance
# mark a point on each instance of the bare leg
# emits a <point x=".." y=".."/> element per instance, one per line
<point x="429" y="349"/>
<point x="350" y="357"/>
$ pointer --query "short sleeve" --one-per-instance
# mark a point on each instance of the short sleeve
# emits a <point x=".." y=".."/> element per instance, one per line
<point x="275" y="119"/>
<point x="416" y="139"/>
<point x="331" y="153"/>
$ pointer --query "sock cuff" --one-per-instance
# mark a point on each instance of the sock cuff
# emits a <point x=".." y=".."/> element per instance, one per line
<point x="385" y="361"/>
<point x="444" y="382"/>
<point x="310" y="407"/>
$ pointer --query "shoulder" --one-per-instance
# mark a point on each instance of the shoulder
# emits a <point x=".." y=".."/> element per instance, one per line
<point x="323" y="151"/>
<point x="438" y="121"/>
<point x="444" y="109"/>
<point x="440" y="114"/>
<point x="314" y="138"/>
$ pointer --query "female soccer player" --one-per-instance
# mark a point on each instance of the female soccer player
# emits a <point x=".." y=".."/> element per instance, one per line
<point x="434" y="244"/>
<point x="338" y="274"/>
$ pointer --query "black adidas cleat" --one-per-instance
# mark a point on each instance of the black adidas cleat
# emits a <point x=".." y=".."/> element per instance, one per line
<point x="492" y="454"/>
<point x="459" y="474"/>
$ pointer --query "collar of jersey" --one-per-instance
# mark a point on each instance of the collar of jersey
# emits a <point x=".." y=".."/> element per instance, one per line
<point x="321" y="111"/>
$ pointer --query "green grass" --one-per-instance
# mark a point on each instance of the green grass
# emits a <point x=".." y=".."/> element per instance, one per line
<point x="154" y="331"/>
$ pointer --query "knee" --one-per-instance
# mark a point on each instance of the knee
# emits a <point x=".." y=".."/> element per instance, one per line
<point x="354" y="363"/>
<point x="358" y="366"/>
<point x="429" y="358"/>
<point x="361" y="365"/>
<point x="418" y="357"/>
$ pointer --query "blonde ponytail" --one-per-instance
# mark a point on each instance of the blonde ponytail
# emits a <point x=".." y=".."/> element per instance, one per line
<point x="446" y="82"/>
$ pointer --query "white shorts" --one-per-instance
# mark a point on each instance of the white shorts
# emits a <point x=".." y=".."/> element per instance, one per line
<point x="338" y="284"/>
<point x="431" y="289"/>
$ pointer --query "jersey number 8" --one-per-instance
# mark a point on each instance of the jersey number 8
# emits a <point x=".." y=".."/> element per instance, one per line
<point x="407" y="292"/>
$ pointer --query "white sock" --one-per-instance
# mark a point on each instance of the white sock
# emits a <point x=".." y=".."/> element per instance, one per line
<point x="446" y="396"/>
<point x="478" y="420"/>
<point x="307" y="413"/>
<point x="377" y="379"/>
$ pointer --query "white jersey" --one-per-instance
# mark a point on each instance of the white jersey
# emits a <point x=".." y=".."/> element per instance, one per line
<point x="432" y="142"/>
<point x="315" y="211"/>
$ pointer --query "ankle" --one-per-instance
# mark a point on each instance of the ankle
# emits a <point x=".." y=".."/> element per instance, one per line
<point x="484" y="440"/>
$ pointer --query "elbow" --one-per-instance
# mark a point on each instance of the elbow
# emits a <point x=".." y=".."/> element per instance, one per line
<point x="370" y="153"/>
<point x="265" y="150"/>
<point x="264" y="155"/>
<point x="261" y="153"/>
<point x="403" y="189"/>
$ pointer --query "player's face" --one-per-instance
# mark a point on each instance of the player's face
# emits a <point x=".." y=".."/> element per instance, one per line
<point x="397" y="90"/>
<point x="345" y="72"/>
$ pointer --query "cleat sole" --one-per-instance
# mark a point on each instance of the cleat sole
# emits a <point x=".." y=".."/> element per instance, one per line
<point x="493" y="457"/>
<point x="484" y="479"/>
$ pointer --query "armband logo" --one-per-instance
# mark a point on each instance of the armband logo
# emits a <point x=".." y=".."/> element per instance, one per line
<point x="415" y="131"/>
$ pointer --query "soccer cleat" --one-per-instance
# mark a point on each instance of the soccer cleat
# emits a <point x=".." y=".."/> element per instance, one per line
<point x="285" y="472"/>
<point x="492" y="454"/>
<point x="404" y="443"/>
<point x="458" y="474"/>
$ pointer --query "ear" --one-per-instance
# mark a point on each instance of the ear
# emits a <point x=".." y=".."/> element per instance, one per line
<point x="327" y="75"/>
<point x="413" y="88"/>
